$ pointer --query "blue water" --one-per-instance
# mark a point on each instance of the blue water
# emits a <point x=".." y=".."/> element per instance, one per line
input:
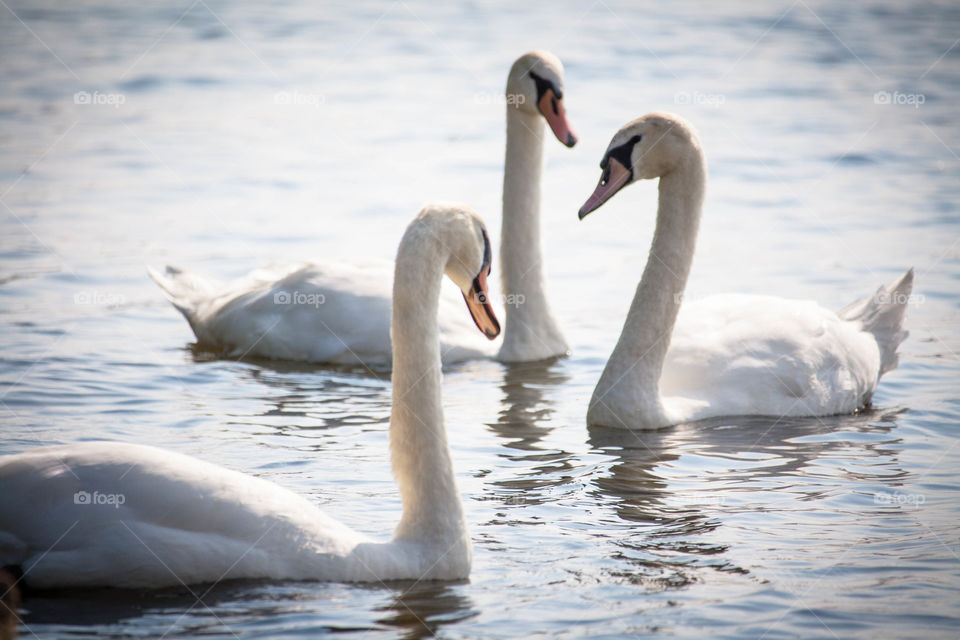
<point x="220" y="136"/>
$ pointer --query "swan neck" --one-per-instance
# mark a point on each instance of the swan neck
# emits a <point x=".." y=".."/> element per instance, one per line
<point x="530" y="332"/>
<point x="637" y="360"/>
<point x="432" y="512"/>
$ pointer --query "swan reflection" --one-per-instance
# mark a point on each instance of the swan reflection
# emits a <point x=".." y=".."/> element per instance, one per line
<point x="672" y="491"/>
<point x="423" y="609"/>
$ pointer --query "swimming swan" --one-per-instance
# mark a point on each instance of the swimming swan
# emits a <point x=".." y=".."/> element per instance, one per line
<point x="340" y="312"/>
<point x="727" y="354"/>
<point x="126" y="515"/>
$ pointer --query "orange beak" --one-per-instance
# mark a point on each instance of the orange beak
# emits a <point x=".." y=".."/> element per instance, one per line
<point x="552" y="109"/>
<point x="478" y="301"/>
<point x="615" y="177"/>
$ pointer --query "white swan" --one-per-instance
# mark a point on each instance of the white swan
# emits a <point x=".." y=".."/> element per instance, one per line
<point x="125" y="515"/>
<point x="340" y="312"/>
<point x="728" y="354"/>
<point x="534" y="93"/>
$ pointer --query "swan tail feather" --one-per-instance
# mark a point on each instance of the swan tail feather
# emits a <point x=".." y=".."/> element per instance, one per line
<point x="184" y="290"/>
<point x="883" y="315"/>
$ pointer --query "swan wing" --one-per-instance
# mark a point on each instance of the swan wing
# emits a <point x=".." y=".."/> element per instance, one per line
<point x="312" y="312"/>
<point x="764" y="355"/>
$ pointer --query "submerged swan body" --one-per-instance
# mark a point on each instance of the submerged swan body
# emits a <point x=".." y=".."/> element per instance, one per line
<point x="726" y="354"/>
<point x="125" y="515"/>
<point x="340" y="313"/>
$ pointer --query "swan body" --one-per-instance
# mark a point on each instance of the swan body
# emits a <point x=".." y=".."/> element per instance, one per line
<point x="730" y="354"/>
<point x="126" y="515"/>
<point x="334" y="312"/>
<point x="340" y="313"/>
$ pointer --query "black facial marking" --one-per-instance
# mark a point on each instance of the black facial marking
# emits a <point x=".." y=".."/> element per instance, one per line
<point x="621" y="154"/>
<point x="487" y="259"/>
<point x="542" y="86"/>
<point x="484" y="268"/>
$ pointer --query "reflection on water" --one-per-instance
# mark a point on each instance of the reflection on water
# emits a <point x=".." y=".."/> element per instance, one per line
<point x="415" y="610"/>
<point x="523" y="422"/>
<point x="525" y="404"/>
<point x="679" y="483"/>
<point x="327" y="398"/>
<point x="741" y="528"/>
<point x="424" y="609"/>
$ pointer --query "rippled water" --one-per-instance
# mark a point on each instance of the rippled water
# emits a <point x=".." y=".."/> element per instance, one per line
<point x="220" y="136"/>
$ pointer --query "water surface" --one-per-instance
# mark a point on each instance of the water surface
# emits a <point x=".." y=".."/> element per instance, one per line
<point x="219" y="136"/>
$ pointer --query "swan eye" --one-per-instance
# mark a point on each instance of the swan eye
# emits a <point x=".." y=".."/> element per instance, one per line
<point x="635" y="139"/>
<point x="606" y="176"/>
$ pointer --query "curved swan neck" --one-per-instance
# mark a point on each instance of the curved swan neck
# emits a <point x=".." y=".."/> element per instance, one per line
<point x="432" y="512"/>
<point x="530" y="332"/>
<point x="637" y="360"/>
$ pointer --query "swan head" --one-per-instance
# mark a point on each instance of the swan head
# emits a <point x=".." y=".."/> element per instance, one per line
<point x="535" y="86"/>
<point x="462" y="237"/>
<point x="646" y="148"/>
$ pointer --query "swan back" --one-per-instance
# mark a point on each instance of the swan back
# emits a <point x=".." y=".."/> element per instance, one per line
<point x="132" y="516"/>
